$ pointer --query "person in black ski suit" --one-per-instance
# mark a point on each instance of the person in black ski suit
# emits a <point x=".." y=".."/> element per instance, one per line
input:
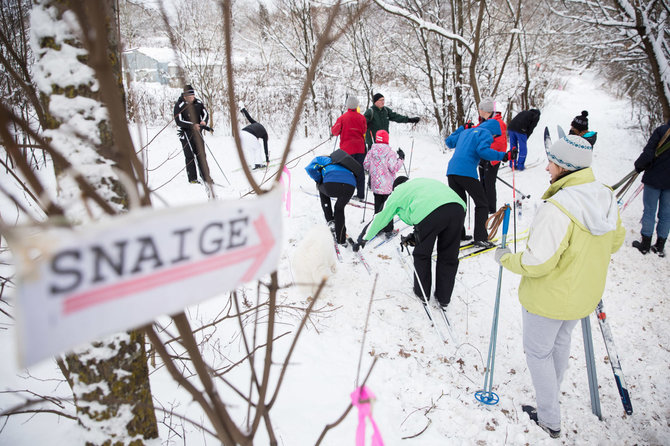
<point x="251" y="146"/>
<point x="655" y="162"/>
<point x="191" y="116"/>
<point x="519" y="129"/>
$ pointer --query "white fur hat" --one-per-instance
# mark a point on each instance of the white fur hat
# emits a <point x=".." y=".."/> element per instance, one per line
<point x="571" y="152"/>
<point x="352" y="101"/>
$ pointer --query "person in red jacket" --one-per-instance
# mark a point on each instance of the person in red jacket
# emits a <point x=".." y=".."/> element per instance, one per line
<point x="488" y="170"/>
<point x="351" y="127"/>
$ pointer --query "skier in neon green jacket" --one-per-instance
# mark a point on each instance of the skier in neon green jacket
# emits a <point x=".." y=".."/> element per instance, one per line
<point x="437" y="214"/>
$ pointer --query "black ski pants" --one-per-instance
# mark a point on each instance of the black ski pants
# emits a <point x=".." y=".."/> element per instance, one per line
<point x="473" y="187"/>
<point x="488" y="173"/>
<point x="443" y="225"/>
<point x="192" y="143"/>
<point x="360" y="182"/>
<point x="379" y="205"/>
<point x="343" y="192"/>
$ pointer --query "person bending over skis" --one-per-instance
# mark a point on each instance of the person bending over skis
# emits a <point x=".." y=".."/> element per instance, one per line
<point x="437" y="214"/>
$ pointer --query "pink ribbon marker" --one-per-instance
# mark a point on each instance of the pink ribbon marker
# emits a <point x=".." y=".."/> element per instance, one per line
<point x="361" y="398"/>
<point x="287" y="192"/>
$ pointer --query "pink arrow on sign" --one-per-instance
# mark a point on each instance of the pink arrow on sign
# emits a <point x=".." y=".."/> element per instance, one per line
<point x="258" y="253"/>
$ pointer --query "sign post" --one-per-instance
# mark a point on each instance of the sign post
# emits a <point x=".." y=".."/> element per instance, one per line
<point x="79" y="284"/>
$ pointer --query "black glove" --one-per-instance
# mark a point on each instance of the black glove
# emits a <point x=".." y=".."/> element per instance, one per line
<point x="468" y="125"/>
<point x="208" y="128"/>
<point x="639" y="169"/>
<point x="401" y="154"/>
<point x="413" y="120"/>
<point x="408" y="240"/>
<point x="511" y="155"/>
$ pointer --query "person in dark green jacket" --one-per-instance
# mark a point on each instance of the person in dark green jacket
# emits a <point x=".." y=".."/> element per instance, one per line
<point x="378" y="117"/>
<point x="437" y="214"/>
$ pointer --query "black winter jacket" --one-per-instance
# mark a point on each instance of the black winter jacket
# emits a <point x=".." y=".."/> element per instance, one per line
<point x="256" y="129"/>
<point x="525" y="121"/>
<point x="656" y="170"/>
<point x="183" y="118"/>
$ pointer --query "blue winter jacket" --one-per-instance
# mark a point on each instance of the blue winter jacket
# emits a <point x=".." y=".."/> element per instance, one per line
<point x="322" y="171"/>
<point x="472" y="145"/>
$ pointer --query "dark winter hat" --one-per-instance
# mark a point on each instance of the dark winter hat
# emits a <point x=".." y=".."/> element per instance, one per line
<point x="398" y="181"/>
<point x="488" y="105"/>
<point x="351" y="102"/>
<point x="571" y="152"/>
<point x="581" y="122"/>
<point x="382" y="136"/>
<point x="188" y="90"/>
<point x="377" y="97"/>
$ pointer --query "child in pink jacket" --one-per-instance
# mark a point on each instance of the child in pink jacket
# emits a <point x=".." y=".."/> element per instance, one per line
<point x="383" y="163"/>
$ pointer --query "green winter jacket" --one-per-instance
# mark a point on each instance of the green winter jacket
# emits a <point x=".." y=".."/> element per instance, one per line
<point x="571" y="239"/>
<point x="412" y="201"/>
<point x="378" y="119"/>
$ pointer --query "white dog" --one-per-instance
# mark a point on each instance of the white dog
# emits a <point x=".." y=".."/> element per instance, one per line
<point x="314" y="259"/>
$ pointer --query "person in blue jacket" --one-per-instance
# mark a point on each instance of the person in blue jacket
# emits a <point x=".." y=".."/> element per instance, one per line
<point x="473" y="144"/>
<point x="335" y="176"/>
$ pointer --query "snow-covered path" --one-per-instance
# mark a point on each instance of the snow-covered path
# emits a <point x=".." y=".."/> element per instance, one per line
<point x="425" y="388"/>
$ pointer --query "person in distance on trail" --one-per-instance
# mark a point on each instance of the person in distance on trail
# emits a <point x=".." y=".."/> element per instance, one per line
<point x="191" y="116"/>
<point x="351" y="127"/>
<point x="383" y="163"/>
<point x="437" y="214"/>
<point x="472" y="145"/>
<point x="519" y="129"/>
<point x="563" y="269"/>
<point x="378" y="117"/>
<point x="655" y="162"/>
<point x="335" y="176"/>
<point x="488" y="170"/>
<point x="251" y="137"/>
<point x="580" y="126"/>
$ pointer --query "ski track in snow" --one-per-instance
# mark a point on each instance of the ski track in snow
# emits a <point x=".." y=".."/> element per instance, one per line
<point x="425" y="389"/>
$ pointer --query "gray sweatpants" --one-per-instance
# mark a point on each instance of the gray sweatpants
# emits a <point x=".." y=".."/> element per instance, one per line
<point x="546" y="343"/>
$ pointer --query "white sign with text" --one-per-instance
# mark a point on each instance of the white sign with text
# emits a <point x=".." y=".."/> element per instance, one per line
<point x="76" y="285"/>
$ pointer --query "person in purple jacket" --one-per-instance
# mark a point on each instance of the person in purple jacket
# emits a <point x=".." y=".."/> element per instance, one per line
<point x="383" y="163"/>
<point x="472" y="145"/>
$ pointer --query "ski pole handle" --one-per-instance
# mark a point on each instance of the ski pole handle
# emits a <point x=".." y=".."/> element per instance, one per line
<point x="505" y="225"/>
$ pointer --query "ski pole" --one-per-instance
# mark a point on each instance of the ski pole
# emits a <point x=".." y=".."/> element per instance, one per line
<point x="487" y="396"/>
<point x="523" y="196"/>
<point x="591" y="368"/>
<point x="411" y="152"/>
<point x="365" y="205"/>
<point x="335" y="145"/>
<point x="217" y="163"/>
<point x="512" y="165"/>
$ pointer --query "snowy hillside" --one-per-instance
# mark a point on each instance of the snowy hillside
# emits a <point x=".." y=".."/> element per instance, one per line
<point x="425" y="388"/>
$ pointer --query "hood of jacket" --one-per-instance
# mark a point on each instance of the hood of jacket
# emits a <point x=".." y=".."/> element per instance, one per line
<point x="588" y="203"/>
<point x="492" y="125"/>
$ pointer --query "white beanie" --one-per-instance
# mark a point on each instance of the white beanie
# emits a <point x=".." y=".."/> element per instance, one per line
<point x="487" y="105"/>
<point x="352" y="101"/>
<point x="571" y="152"/>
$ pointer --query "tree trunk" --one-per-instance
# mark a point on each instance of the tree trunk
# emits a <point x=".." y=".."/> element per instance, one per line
<point x="109" y="379"/>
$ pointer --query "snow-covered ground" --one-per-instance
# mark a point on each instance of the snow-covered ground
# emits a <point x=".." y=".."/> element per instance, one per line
<point x="424" y="388"/>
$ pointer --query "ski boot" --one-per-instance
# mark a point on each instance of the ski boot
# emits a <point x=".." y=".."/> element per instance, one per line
<point x="659" y="247"/>
<point x="644" y="245"/>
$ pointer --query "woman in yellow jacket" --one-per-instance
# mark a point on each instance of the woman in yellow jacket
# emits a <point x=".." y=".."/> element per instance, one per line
<point x="564" y="267"/>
